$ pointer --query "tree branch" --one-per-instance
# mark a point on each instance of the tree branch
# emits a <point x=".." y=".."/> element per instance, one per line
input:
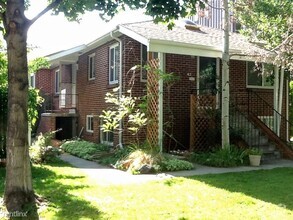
<point x="283" y="42"/>
<point x="208" y="4"/>
<point x="48" y="8"/>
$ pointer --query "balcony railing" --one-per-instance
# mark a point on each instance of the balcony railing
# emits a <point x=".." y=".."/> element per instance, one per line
<point x="60" y="102"/>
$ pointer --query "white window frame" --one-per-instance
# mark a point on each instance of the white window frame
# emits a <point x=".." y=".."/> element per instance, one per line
<point x="91" y="67"/>
<point x="57" y="82"/>
<point x="33" y="80"/>
<point x="115" y="74"/>
<point x="90" y="123"/>
<point x="263" y="86"/>
<point x="106" y="142"/>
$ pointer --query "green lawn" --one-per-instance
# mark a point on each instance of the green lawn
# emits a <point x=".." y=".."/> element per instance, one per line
<point x="250" y="195"/>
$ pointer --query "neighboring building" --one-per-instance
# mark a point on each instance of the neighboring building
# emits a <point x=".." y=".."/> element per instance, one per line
<point x="184" y="113"/>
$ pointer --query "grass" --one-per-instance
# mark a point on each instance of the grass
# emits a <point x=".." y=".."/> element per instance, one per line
<point x="248" y="195"/>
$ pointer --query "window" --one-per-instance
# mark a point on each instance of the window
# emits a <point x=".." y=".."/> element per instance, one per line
<point x="91" y="67"/>
<point x="143" y="62"/>
<point x="90" y="123"/>
<point x="57" y="81"/>
<point x="106" y="137"/>
<point x="33" y="80"/>
<point x="114" y="61"/>
<point x="259" y="75"/>
<point x="207" y="75"/>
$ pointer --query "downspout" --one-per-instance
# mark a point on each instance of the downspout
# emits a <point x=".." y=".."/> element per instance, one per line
<point x="120" y="84"/>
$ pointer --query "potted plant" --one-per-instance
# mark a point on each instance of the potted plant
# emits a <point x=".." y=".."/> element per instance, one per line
<point x="254" y="156"/>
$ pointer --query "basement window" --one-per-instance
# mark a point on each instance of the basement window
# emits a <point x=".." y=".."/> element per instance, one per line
<point x="106" y="137"/>
<point x="90" y="123"/>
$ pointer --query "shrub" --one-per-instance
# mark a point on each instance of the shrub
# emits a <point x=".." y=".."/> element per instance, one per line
<point x="140" y="159"/>
<point x="173" y="164"/>
<point x="84" y="149"/>
<point x="41" y="150"/>
<point x="221" y="157"/>
<point x="115" y="156"/>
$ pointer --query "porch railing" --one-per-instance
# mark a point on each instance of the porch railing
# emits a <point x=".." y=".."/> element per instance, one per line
<point x="275" y="121"/>
<point x="252" y="117"/>
<point x="60" y="102"/>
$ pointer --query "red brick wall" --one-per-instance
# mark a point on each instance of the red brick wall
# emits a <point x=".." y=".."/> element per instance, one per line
<point x="44" y="80"/>
<point x="92" y="92"/>
<point x="47" y="123"/>
<point x="177" y="96"/>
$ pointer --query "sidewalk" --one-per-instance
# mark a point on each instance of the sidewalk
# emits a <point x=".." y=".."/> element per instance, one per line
<point x="106" y="175"/>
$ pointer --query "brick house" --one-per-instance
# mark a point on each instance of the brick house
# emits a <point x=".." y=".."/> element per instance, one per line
<point x="80" y="77"/>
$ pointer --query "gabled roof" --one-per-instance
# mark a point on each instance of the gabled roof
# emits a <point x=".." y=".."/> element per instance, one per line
<point x="204" y="42"/>
<point x="180" y="40"/>
<point x="69" y="55"/>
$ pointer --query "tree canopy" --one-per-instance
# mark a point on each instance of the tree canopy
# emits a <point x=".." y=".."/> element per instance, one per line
<point x="270" y="21"/>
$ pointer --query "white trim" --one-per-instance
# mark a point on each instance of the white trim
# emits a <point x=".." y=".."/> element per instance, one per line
<point x="113" y="46"/>
<point x="217" y="82"/>
<point x="64" y="53"/>
<point x="133" y="35"/>
<point x="93" y="73"/>
<point x="182" y="48"/>
<point x="280" y="104"/>
<point x="59" y="81"/>
<point x="161" y="93"/>
<point x="32" y="83"/>
<point x="276" y="97"/>
<point x="87" y="123"/>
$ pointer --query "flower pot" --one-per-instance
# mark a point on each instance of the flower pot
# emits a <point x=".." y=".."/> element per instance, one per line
<point x="254" y="160"/>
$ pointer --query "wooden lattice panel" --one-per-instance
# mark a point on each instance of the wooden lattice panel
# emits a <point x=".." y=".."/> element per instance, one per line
<point x="153" y="103"/>
<point x="202" y="121"/>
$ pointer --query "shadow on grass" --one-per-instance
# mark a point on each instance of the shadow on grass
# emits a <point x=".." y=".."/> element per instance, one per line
<point x="56" y="189"/>
<point x="274" y="186"/>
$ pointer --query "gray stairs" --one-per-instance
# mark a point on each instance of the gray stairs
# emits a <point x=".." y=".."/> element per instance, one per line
<point x="254" y="137"/>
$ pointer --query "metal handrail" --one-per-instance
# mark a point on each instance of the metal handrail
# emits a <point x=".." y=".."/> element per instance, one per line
<point x="262" y="109"/>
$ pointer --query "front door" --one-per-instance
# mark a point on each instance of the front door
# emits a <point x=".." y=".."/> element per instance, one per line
<point x="207" y="76"/>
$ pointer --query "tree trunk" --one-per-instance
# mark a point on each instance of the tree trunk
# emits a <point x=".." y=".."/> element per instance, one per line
<point x="225" y="78"/>
<point x="19" y="195"/>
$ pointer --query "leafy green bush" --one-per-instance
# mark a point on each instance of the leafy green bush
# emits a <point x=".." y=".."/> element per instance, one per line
<point x="84" y="149"/>
<point x="140" y="159"/>
<point x="173" y="164"/>
<point x="221" y="157"/>
<point x="41" y="150"/>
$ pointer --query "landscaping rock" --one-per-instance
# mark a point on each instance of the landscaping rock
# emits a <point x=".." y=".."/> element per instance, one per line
<point x="146" y="169"/>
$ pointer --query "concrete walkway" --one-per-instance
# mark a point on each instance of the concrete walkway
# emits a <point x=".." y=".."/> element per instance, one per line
<point x="106" y="175"/>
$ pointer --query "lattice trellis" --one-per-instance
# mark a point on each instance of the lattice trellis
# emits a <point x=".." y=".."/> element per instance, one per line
<point x="153" y="102"/>
<point x="203" y="126"/>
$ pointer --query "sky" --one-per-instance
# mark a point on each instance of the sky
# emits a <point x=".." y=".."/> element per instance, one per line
<point x="53" y="33"/>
